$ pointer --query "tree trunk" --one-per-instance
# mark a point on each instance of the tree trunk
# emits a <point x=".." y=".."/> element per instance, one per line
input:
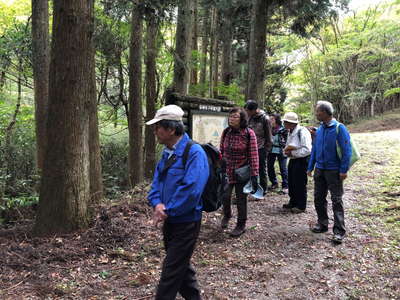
<point x="255" y="82"/>
<point x="195" y="46"/>
<point x="151" y="96"/>
<point x="183" y="47"/>
<point x="213" y="49"/>
<point x="135" y="99"/>
<point x="204" y="52"/>
<point x="41" y="64"/>
<point x="216" y="67"/>
<point x="227" y="34"/>
<point x="65" y="184"/>
<point x="2" y="80"/>
<point x="96" y="177"/>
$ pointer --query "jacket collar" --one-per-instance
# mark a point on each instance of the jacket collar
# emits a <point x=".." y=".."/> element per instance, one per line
<point x="331" y="123"/>
<point x="180" y="146"/>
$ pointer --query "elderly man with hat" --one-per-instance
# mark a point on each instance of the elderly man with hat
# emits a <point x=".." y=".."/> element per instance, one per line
<point x="298" y="149"/>
<point x="175" y="196"/>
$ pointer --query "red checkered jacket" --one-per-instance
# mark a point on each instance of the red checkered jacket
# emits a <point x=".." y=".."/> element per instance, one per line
<point x="239" y="147"/>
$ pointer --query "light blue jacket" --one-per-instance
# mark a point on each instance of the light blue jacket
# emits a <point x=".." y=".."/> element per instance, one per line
<point x="324" y="154"/>
<point x="180" y="187"/>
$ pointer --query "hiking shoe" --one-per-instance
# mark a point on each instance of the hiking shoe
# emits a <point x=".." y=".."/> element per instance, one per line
<point x="287" y="206"/>
<point x="273" y="186"/>
<point x="338" y="238"/>
<point x="319" y="228"/>
<point x="238" y="231"/>
<point x="224" y="222"/>
<point x="296" y="210"/>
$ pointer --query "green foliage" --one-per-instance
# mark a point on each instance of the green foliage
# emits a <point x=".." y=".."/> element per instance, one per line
<point x="22" y="201"/>
<point x="353" y="64"/>
<point x="232" y="92"/>
<point x="9" y="12"/>
<point x="114" y="157"/>
<point x="21" y="169"/>
<point x="391" y="92"/>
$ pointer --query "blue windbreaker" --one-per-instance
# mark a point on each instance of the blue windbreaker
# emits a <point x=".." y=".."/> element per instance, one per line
<point x="180" y="187"/>
<point x="324" y="154"/>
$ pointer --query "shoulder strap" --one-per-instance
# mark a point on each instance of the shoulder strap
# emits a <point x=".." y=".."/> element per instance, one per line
<point x="299" y="133"/>
<point x="337" y="128"/>
<point x="185" y="156"/>
<point x="171" y="160"/>
<point x="264" y="118"/>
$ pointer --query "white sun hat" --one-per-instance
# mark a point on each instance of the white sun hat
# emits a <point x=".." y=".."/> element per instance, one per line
<point x="169" y="112"/>
<point x="291" y="117"/>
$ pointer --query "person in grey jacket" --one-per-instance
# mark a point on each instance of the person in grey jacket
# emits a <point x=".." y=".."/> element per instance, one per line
<point x="260" y="123"/>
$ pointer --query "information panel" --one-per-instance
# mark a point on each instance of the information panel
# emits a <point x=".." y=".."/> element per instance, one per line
<point x="207" y="126"/>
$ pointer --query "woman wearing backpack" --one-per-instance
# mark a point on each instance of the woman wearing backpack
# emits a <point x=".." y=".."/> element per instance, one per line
<point x="238" y="148"/>
<point x="279" y="137"/>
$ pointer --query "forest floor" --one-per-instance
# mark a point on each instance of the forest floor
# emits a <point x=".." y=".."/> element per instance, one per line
<point x="278" y="257"/>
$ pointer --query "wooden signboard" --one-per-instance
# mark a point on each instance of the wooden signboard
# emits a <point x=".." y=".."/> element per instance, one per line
<point x="204" y="118"/>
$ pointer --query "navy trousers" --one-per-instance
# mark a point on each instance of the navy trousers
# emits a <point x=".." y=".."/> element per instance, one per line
<point x="177" y="273"/>
<point x="298" y="182"/>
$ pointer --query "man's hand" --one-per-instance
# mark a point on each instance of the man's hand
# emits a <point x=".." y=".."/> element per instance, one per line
<point x="342" y="176"/>
<point x="288" y="150"/>
<point x="288" y="153"/>
<point x="159" y="214"/>
<point x="309" y="173"/>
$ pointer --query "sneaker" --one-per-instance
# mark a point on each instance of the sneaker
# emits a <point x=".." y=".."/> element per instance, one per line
<point x="319" y="228"/>
<point x="338" y="238"/>
<point x="296" y="210"/>
<point x="225" y="222"/>
<point x="285" y="191"/>
<point x="287" y="206"/>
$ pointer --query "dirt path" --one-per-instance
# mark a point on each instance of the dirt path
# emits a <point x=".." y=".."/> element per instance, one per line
<point x="277" y="258"/>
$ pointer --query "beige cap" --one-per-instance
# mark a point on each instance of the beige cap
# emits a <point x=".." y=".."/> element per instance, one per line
<point x="169" y="112"/>
<point x="291" y="117"/>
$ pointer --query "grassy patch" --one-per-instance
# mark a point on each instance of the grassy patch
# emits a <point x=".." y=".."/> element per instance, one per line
<point x="387" y="195"/>
<point x="388" y="120"/>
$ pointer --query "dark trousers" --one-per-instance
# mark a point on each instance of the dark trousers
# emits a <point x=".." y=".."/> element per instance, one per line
<point x="177" y="274"/>
<point x="324" y="181"/>
<point x="297" y="179"/>
<point x="241" y="202"/>
<point x="282" y="160"/>
<point x="262" y="162"/>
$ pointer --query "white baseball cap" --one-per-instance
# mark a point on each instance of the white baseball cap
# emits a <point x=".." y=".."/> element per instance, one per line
<point x="291" y="117"/>
<point x="168" y="112"/>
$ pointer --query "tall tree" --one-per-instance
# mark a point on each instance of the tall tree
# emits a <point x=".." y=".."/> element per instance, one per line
<point x="96" y="178"/>
<point x="255" y="81"/>
<point x="135" y="121"/>
<point x="151" y="95"/>
<point x="195" y="46"/>
<point x="213" y="50"/>
<point x="227" y="36"/>
<point x="204" y="50"/>
<point x="65" y="185"/>
<point x="183" y="46"/>
<point x="41" y="65"/>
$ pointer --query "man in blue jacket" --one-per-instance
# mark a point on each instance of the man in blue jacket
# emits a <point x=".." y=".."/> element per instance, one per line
<point x="175" y="196"/>
<point x="330" y="170"/>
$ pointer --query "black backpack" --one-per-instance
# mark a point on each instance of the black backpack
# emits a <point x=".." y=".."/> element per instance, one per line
<point x="217" y="182"/>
